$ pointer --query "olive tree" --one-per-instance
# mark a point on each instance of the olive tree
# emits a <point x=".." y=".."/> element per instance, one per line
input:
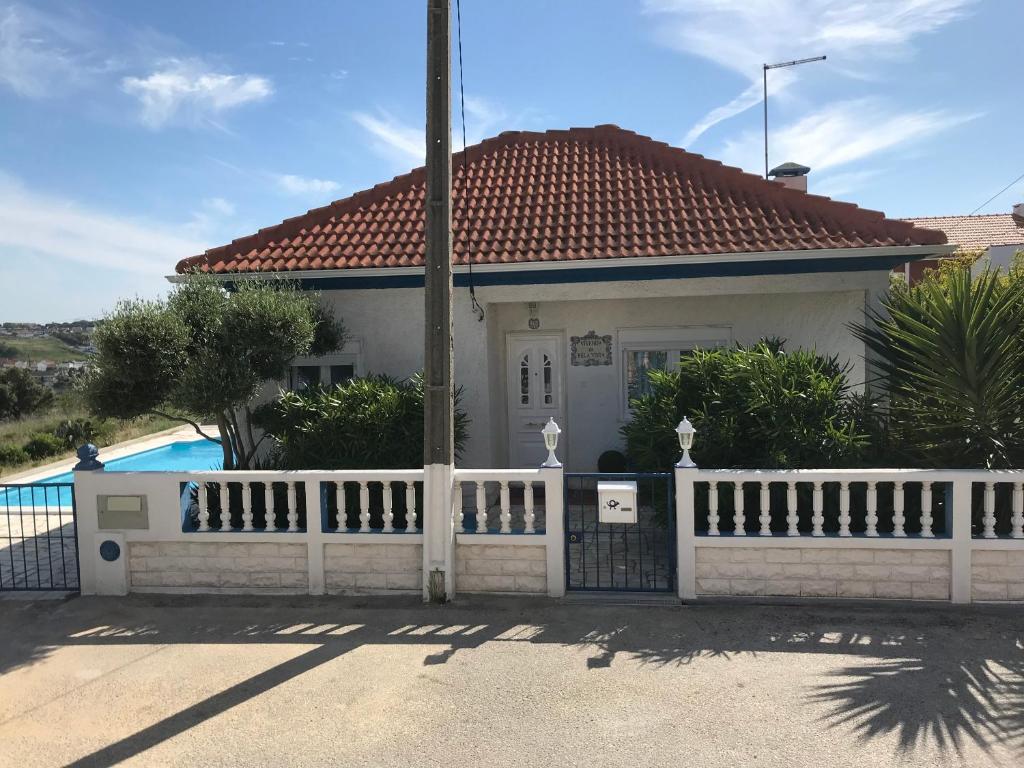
<point x="203" y="354"/>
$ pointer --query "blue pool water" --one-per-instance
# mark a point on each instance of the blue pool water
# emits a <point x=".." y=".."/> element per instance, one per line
<point x="194" y="455"/>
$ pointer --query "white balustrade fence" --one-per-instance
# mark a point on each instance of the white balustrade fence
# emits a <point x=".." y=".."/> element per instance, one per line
<point x="501" y="501"/>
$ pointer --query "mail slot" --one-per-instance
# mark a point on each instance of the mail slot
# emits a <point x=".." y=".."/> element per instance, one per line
<point x="616" y="501"/>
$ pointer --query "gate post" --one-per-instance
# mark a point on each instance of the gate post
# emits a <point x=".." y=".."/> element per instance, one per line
<point x="686" y="540"/>
<point x="554" y="528"/>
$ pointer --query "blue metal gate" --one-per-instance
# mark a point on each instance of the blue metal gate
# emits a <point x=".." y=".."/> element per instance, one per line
<point x="616" y="557"/>
<point x="38" y="538"/>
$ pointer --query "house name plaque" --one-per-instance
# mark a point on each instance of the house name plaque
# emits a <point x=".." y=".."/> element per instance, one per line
<point x="590" y="349"/>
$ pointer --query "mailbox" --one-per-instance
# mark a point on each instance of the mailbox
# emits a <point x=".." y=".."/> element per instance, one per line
<point x="616" y="501"/>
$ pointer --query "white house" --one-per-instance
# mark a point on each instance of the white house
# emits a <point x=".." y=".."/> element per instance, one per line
<point x="996" y="237"/>
<point x="583" y="258"/>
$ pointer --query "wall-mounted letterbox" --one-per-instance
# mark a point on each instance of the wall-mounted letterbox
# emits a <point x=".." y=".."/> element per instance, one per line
<point x="616" y="501"/>
<point x="121" y="512"/>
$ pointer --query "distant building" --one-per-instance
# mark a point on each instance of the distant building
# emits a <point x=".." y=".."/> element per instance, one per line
<point x="996" y="236"/>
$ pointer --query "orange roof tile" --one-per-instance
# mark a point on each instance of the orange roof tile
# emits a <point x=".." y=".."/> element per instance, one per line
<point x="582" y="193"/>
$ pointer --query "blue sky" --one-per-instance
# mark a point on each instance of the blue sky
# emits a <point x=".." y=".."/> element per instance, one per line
<point x="136" y="133"/>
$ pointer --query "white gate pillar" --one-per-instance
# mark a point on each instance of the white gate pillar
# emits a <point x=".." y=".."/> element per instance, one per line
<point x="438" y="529"/>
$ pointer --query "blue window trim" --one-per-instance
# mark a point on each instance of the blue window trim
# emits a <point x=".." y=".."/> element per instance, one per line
<point x="526" y="276"/>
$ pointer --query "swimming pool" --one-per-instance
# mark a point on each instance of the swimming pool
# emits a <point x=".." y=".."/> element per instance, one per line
<point x="184" y="456"/>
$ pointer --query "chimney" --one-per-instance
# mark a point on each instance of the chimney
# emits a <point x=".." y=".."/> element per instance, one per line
<point x="793" y="175"/>
<point x="1018" y="211"/>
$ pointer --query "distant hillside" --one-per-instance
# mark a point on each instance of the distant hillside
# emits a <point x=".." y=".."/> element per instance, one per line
<point x="39" y="348"/>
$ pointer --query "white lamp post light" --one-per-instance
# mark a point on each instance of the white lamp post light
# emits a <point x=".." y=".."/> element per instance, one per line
<point x="685" y="431"/>
<point x="551" y="432"/>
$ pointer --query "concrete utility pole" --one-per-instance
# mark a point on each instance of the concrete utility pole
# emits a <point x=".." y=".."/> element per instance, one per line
<point x="439" y="428"/>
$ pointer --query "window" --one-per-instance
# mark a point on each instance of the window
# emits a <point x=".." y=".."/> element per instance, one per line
<point x="328" y="370"/>
<point x="660" y="349"/>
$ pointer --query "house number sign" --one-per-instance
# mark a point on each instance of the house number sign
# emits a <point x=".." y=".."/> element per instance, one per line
<point x="590" y="349"/>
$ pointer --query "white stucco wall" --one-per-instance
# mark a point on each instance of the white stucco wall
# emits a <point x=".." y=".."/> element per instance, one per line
<point x="810" y="311"/>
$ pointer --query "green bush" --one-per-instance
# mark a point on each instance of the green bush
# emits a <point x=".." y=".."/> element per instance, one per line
<point x="370" y="423"/>
<point x="75" y="432"/>
<point x="753" y="407"/>
<point x="43" y="444"/>
<point x="11" y="455"/>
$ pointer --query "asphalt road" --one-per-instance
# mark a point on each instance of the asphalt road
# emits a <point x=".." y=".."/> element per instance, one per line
<point x="235" y="681"/>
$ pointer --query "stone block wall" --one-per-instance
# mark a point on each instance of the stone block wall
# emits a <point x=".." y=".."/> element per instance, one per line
<point x="501" y="568"/>
<point x="373" y="567"/>
<point x="997" y="575"/>
<point x="215" y="566"/>
<point x="824" y="572"/>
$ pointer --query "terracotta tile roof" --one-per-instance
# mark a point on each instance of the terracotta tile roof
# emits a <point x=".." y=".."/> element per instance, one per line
<point x="582" y="193"/>
<point x="976" y="232"/>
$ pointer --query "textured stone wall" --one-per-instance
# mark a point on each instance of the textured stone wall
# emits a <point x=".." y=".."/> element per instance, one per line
<point x="501" y="568"/>
<point x="373" y="567"/>
<point x="215" y="566"/>
<point x="823" y="572"/>
<point x="997" y="575"/>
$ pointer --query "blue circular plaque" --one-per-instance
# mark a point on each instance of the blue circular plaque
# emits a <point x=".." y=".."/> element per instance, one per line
<point x="110" y="551"/>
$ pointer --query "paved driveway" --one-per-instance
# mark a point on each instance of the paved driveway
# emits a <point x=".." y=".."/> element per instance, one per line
<point x="316" y="682"/>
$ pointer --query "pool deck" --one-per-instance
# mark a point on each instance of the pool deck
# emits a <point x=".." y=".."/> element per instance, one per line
<point x="183" y="433"/>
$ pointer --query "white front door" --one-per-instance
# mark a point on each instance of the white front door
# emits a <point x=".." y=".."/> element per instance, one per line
<point x="534" y="395"/>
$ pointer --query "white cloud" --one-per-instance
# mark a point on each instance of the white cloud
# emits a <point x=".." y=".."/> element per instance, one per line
<point x="42" y="55"/>
<point x="219" y="205"/>
<point x="300" y="185"/>
<point x="189" y="87"/>
<point x="741" y="35"/>
<point x="839" y="134"/>
<point x="39" y="226"/>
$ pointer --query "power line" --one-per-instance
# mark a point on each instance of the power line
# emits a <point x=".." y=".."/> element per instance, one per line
<point x="477" y="309"/>
<point x="997" y="194"/>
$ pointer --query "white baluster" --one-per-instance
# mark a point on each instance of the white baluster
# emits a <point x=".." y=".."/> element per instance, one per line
<point x="506" y="508"/>
<point x="765" y="517"/>
<point x="738" y="516"/>
<point x="364" y="507"/>
<point x="268" y="506"/>
<point x="818" y="506"/>
<point x="481" y="508"/>
<point x="926" y="510"/>
<point x="792" y="519"/>
<point x="713" y="508"/>
<point x="246" y="506"/>
<point x="410" y="507"/>
<point x="989" y="518"/>
<point x="389" y="516"/>
<point x="872" y="505"/>
<point x="340" y="501"/>
<point x="225" y="508"/>
<point x="204" y="507"/>
<point x="460" y="513"/>
<point x="1017" y="522"/>
<point x="899" y="522"/>
<point x="293" y="508"/>
<point x="528" y="513"/>
<point x="844" y="508"/>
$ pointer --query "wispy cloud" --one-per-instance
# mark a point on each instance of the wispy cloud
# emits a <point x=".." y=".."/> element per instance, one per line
<point x="43" y="55"/>
<point x="842" y="133"/>
<point x="392" y="138"/>
<point x="188" y="88"/>
<point x="741" y="35"/>
<point x="292" y="184"/>
<point x="37" y="225"/>
<point x="405" y="143"/>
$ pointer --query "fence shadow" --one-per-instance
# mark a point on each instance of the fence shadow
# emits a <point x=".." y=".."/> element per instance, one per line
<point x="940" y="674"/>
<point x="37" y="553"/>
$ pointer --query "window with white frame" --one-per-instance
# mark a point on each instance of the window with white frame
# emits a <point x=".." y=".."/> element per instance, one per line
<point x="660" y="349"/>
<point x="327" y="370"/>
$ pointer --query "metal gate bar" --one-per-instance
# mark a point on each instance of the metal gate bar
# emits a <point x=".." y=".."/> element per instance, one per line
<point x="38" y="537"/>
<point x="616" y="557"/>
